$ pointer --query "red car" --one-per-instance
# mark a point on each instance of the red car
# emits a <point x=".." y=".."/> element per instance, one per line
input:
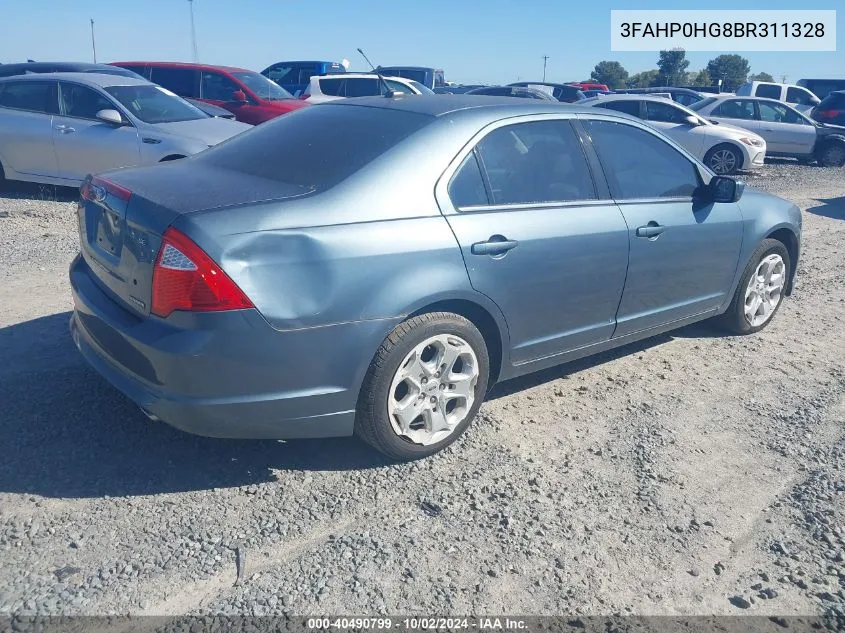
<point x="589" y="85"/>
<point x="250" y="96"/>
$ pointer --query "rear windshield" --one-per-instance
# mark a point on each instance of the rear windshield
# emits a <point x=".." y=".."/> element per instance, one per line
<point x="317" y="147"/>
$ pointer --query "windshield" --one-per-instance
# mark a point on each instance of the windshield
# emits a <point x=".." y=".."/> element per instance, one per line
<point x="154" y="104"/>
<point x="261" y="86"/>
<point x="700" y="104"/>
<point x="423" y="89"/>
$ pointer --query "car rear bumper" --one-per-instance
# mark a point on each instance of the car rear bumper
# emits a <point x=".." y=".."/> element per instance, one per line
<point x="226" y="374"/>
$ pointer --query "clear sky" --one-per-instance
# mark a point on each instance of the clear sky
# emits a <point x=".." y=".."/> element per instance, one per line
<point x="485" y="41"/>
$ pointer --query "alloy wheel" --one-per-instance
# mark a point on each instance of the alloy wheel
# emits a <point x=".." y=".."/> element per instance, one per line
<point x="765" y="290"/>
<point x="723" y="161"/>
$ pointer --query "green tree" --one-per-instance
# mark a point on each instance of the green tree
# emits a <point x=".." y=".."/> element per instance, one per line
<point x="645" y="79"/>
<point x="612" y="74"/>
<point x="761" y="77"/>
<point x="731" y="69"/>
<point x="700" y="78"/>
<point x="672" y="66"/>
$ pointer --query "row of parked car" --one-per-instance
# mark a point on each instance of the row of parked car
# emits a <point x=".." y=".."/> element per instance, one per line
<point x="86" y="118"/>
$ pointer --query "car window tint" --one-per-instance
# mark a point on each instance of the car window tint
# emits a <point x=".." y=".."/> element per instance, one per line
<point x="363" y="87"/>
<point x="541" y="161"/>
<point x="639" y="164"/>
<point x="769" y="91"/>
<point x="36" y="96"/>
<point x="735" y="109"/>
<point x="395" y="86"/>
<point x="628" y="106"/>
<point x="777" y="113"/>
<point x="306" y="72"/>
<point x="799" y="96"/>
<point x="178" y="80"/>
<point x="466" y="188"/>
<point x="685" y="99"/>
<point x="81" y="101"/>
<point x="331" y="87"/>
<point x="664" y="112"/>
<point x="281" y="73"/>
<point x="332" y="143"/>
<point x="217" y="87"/>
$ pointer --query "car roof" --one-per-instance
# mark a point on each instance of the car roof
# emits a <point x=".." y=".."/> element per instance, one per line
<point x="186" y="65"/>
<point x="94" y="79"/>
<point x="71" y="65"/>
<point x="410" y="67"/>
<point x="359" y="76"/>
<point x="631" y="97"/>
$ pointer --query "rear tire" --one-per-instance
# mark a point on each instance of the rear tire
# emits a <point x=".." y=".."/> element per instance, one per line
<point x="723" y="159"/>
<point x="760" y="291"/>
<point x="426" y="365"/>
<point x="832" y="154"/>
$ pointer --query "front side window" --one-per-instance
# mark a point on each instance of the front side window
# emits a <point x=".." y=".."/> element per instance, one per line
<point x="395" y="86"/>
<point x="800" y="96"/>
<point x="217" y="87"/>
<point x="777" y="113"/>
<point x="628" y="106"/>
<point x="81" y="101"/>
<point x="182" y="81"/>
<point x="664" y="113"/>
<point x="768" y="91"/>
<point x="536" y="162"/>
<point x="261" y="86"/>
<point x="736" y="109"/>
<point x="35" y="96"/>
<point x="466" y="189"/>
<point x="640" y="165"/>
<point x="154" y="104"/>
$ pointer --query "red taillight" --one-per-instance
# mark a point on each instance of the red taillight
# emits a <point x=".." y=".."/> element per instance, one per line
<point x="185" y="278"/>
<point x="828" y="114"/>
<point x="97" y="188"/>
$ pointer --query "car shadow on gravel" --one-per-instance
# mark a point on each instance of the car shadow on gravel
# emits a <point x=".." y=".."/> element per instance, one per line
<point x="68" y="434"/>
<point x="830" y="207"/>
<point x="16" y="190"/>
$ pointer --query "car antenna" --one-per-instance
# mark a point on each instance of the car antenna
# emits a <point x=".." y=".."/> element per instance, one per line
<point x="388" y="91"/>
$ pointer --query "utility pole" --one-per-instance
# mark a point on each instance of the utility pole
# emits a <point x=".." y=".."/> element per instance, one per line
<point x="545" y="59"/>
<point x="193" y="33"/>
<point x="93" y="44"/>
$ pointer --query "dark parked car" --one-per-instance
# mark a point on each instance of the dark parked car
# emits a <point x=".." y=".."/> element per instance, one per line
<point x="251" y="97"/>
<point x="410" y="253"/>
<point x="831" y="110"/>
<point x="512" y="91"/>
<point x="684" y="96"/>
<point x="561" y="92"/>
<point x="295" y="76"/>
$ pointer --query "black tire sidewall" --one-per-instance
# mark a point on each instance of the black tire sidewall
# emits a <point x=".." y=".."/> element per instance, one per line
<point x="736" y="313"/>
<point x="828" y="147"/>
<point x="381" y="380"/>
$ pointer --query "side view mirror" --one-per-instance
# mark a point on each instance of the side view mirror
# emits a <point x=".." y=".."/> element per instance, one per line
<point x="692" y="120"/>
<point x="110" y="116"/>
<point x="723" y="189"/>
<point x="239" y="96"/>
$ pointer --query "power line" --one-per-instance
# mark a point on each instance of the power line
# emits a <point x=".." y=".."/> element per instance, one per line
<point x="193" y="33"/>
<point x="93" y="44"/>
<point x="545" y="59"/>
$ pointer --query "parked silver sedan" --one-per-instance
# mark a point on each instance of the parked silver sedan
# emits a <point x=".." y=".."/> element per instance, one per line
<point x="57" y="128"/>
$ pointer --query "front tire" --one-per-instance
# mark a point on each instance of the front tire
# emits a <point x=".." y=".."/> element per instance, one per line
<point x="423" y="387"/>
<point x="723" y="159"/>
<point x="832" y="155"/>
<point x="759" y="294"/>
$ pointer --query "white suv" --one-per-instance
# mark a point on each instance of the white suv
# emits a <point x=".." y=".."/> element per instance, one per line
<point x="343" y="86"/>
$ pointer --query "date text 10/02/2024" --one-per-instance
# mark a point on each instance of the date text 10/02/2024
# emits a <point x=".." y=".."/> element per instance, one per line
<point x="417" y="623"/>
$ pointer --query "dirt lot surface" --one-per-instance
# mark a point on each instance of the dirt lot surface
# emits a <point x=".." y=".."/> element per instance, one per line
<point x="691" y="474"/>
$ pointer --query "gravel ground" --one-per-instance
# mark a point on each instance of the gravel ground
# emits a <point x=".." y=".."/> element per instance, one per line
<point x="689" y="474"/>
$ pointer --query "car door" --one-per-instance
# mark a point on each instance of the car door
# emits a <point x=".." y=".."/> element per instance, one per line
<point x="672" y="121"/>
<point x="790" y="132"/>
<point x="683" y="252"/>
<point x="538" y="237"/>
<point x="84" y="144"/>
<point x="26" y="127"/>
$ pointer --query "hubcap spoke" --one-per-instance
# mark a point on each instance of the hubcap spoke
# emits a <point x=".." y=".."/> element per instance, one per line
<point x="764" y="291"/>
<point x="408" y="412"/>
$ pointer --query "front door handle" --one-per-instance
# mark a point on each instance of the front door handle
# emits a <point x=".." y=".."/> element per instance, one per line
<point x="652" y="229"/>
<point x="65" y="129"/>
<point x="496" y="245"/>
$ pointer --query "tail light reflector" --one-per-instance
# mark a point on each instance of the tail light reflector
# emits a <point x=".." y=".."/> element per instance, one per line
<point x="185" y="278"/>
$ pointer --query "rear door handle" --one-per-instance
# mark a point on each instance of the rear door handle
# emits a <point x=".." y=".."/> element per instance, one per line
<point x="652" y="229"/>
<point x="496" y="245"/>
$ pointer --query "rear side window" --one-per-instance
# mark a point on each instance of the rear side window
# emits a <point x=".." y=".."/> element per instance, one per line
<point x="182" y="81"/>
<point x="536" y="162"/>
<point x="362" y="87"/>
<point x="639" y="165"/>
<point x="35" y="96"/>
<point x="331" y="87"/>
<point x="466" y="189"/>
<point x="628" y="107"/>
<point x="315" y="148"/>
<point x="769" y="91"/>
<point x="736" y="109"/>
